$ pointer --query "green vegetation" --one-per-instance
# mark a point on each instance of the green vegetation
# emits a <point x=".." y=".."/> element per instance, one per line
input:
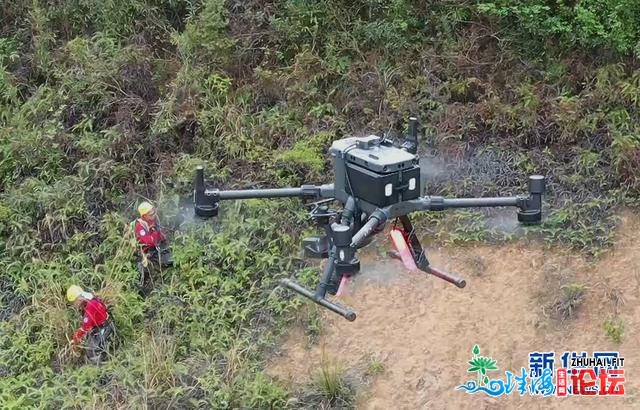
<point x="614" y="329"/>
<point x="588" y="24"/>
<point x="105" y="103"/>
<point x="374" y="368"/>
<point x="331" y="386"/>
<point x="572" y="296"/>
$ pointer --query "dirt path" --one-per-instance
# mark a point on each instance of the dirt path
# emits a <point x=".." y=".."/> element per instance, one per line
<point x="418" y="332"/>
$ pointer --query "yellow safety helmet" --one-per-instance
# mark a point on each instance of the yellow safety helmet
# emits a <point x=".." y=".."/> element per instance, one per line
<point x="73" y="292"/>
<point x="144" y="208"/>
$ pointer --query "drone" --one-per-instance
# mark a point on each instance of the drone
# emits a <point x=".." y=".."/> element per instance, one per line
<point x="376" y="180"/>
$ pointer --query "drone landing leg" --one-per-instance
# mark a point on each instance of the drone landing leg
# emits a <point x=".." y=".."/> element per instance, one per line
<point x="324" y="285"/>
<point x="420" y="255"/>
<point x="347" y="314"/>
<point x="343" y="286"/>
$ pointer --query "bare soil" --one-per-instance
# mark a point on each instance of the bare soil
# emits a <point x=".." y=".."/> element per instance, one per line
<point x="410" y="345"/>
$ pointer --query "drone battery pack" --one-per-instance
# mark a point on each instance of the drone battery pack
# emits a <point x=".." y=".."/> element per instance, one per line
<point x="383" y="189"/>
<point x="375" y="171"/>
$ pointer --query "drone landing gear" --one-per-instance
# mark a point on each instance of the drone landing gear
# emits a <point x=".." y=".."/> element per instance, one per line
<point x="329" y="283"/>
<point x="420" y="255"/>
<point x="335" y="246"/>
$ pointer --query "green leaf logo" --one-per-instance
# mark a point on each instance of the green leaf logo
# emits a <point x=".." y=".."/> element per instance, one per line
<point x="481" y="364"/>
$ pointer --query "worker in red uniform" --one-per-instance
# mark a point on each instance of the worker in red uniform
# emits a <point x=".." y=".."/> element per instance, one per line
<point x="96" y="323"/>
<point x="147" y="228"/>
<point x="152" y="241"/>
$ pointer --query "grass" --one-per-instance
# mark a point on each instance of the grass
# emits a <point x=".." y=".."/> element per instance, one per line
<point x="614" y="329"/>
<point x="331" y="387"/>
<point x="616" y="296"/>
<point x="102" y="107"/>
<point x="561" y="295"/>
<point x="566" y="305"/>
<point x="375" y="368"/>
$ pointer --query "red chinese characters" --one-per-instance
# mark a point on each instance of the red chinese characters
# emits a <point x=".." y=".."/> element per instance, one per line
<point x="608" y="382"/>
<point x="561" y="377"/>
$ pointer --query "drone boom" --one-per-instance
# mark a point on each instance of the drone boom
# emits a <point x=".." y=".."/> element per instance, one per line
<point x="206" y="201"/>
<point x="375" y="181"/>
<point x="530" y="207"/>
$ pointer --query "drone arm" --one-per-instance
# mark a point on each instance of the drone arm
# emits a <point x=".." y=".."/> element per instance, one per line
<point x="438" y="203"/>
<point x="207" y="200"/>
<point x="380" y="216"/>
<point x="305" y="191"/>
<point x="530" y="207"/>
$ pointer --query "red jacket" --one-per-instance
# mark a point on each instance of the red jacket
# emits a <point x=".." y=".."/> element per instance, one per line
<point x="148" y="236"/>
<point x="95" y="314"/>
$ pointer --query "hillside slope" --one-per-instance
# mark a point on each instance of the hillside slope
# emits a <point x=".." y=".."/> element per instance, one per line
<point x="104" y="104"/>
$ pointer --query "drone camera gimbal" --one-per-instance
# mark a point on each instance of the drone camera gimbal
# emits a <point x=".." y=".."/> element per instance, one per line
<point x="375" y="181"/>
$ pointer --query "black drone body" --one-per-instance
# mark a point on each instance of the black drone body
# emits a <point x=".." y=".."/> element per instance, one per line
<point x="375" y="181"/>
